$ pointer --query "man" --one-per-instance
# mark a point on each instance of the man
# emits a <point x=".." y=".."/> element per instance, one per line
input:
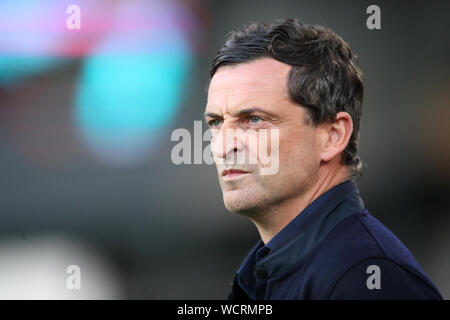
<point x="317" y="239"/>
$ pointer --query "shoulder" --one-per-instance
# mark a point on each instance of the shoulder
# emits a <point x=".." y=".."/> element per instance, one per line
<point x="360" y="247"/>
<point x="381" y="278"/>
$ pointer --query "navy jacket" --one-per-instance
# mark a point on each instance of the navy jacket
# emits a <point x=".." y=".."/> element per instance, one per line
<point x="334" y="249"/>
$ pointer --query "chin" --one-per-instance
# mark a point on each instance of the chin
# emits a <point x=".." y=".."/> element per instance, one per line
<point x="240" y="204"/>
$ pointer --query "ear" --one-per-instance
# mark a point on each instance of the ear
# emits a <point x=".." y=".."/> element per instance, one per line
<point x="335" y="136"/>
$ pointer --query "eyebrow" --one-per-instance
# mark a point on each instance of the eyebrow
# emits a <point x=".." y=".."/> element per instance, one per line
<point x="243" y="112"/>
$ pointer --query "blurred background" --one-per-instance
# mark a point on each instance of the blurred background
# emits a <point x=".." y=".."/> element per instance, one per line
<point x="86" y="117"/>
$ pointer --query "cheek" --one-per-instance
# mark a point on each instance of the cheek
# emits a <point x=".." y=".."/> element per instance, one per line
<point x="298" y="152"/>
<point x="263" y="148"/>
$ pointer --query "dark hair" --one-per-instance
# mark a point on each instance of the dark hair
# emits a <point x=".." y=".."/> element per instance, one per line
<point x="324" y="77"/>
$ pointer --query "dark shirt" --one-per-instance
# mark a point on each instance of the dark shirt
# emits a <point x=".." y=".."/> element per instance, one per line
<point x="334" y="249"/>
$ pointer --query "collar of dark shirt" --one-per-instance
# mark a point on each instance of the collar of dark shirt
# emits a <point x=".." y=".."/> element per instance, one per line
<point x="300" y="236"/>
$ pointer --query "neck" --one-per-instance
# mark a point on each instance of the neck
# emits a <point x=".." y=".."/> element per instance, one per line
<point x="275" y="218"/>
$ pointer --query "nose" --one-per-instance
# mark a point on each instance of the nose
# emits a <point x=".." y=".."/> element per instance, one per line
<point x="227" y="142"/>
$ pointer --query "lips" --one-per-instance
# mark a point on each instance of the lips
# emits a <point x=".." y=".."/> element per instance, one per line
<point x="233" y="173"/>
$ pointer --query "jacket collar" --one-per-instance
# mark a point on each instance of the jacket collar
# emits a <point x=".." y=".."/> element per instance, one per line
<point x="286" y="250"/>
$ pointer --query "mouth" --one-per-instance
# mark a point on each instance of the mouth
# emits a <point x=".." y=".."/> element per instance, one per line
<point x="233" y="173"/>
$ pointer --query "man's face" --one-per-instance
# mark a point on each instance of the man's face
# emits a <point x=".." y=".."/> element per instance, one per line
<point x="261" y="86"/>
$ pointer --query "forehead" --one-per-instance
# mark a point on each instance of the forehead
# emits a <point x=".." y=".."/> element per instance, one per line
<point x="262" y="82"/>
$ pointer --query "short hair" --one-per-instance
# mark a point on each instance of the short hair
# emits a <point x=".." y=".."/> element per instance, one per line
<point x="324" y="77"/>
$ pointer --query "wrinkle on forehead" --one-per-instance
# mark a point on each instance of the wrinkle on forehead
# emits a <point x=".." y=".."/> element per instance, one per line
<point x="262" y="82"/>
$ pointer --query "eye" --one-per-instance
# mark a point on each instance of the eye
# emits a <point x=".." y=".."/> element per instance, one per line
<point x="214" y="123"/>
<point x="254" y="119"/>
